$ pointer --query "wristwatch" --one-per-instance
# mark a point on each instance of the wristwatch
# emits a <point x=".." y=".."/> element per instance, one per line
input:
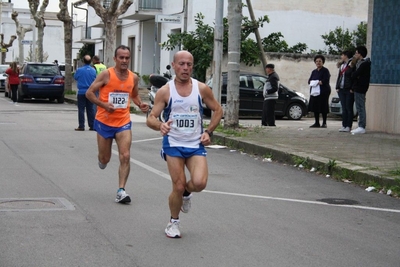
<point x="209" y="133"/>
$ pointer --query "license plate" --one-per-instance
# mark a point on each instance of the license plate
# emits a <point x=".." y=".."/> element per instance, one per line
<point x="43" y="79"/>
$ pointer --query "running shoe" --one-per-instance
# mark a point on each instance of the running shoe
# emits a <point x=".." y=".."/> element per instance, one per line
<point x="172" y="230"/>
<point x="186" y="203"/>
<point x="122" y="197"/>
<point x="102" y="166"/>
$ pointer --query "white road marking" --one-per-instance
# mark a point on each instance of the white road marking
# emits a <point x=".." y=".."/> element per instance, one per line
<point x="168" y="177"/>
<point x="146" y="140"/>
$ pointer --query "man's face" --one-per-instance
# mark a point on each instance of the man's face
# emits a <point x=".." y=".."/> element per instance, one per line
<point x="122" y="59"/>
<point x="357" y="55"/>
<point x="183" y="66"/>
<point x="269" y="70"/>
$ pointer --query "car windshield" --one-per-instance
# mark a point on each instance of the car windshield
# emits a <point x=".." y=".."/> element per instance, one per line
<point x="49" y="70"/>
<point x="3" y="68"/>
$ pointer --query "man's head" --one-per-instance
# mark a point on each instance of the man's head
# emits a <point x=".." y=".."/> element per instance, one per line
<point x="346" y="55"/>
<point x="270" y="68"/>
<point x="183" y="65"/>
<point x="96" y="59"/>
<point x="361" y="52"/>
<point x="87" y="59"/>
<point x="122" y="57"/>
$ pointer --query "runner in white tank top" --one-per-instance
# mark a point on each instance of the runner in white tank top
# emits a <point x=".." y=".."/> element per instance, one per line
<point x="186" y="114"/>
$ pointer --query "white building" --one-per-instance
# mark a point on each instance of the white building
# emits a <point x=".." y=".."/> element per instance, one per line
<point x="53" y="40"/>
<point x="299" y="21"/>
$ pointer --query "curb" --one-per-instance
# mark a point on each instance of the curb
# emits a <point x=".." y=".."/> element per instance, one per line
<point x="357" y="174"/>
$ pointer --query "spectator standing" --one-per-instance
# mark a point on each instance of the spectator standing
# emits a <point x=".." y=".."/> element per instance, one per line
<point x="270" y="93"/>
<point x="361" y="77"/>
<point x="343" y="88"/>
<point x="85" y="76"/>
<point x="320" y="103"/>
<point x="13" y="80"/>
<point x="99" y="67"/>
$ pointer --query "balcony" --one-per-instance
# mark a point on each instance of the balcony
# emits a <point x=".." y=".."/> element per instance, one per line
<point x="143" y="10"/>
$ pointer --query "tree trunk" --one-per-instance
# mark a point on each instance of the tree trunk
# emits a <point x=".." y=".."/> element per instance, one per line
<point x="257" y="33"/>
<point x="109" y="15"/>
<point x="64" y="16"/>
<point x="231" y="119"/>
<point x="21" y="31"/>
<point x="38" y="16"/>
<point x="4" y="45"/>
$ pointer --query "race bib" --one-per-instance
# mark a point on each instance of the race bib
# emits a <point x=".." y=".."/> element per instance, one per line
<point x="185" y="122"/>
<point x="119" y="100"/>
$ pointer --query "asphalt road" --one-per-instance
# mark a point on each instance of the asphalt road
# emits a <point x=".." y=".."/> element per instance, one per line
<point x="57" y="207"/>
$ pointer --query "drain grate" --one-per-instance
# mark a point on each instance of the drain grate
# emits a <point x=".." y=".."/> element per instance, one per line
<point x="35" y="204"/>
<point x="339" y="201"/>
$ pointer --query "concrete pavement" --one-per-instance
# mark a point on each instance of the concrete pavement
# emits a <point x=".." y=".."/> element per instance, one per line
<point x="371" y="159"/>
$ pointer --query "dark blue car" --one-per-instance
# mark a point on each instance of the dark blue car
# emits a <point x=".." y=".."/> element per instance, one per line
<point x="41" y="80"/>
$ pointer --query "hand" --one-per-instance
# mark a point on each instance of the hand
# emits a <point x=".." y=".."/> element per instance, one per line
<point x="205" y="139"/>
<point x="144" y="107"/>
<point x="109" y="107"/>
<point x="165" y="127"/>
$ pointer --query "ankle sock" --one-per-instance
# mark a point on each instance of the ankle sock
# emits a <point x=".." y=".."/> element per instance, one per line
<point x="186" y="193"/>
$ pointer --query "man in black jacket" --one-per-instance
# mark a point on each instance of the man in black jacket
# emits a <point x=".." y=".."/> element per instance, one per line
<point x="360" y="78"/>
<point x="270" y="96"/>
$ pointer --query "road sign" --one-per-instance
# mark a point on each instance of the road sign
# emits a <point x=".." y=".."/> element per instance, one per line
<point x="26" y="42"/>
<point x="168" y="19"/>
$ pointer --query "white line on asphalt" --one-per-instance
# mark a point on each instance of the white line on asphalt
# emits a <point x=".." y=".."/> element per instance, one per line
<point x="166" y="176"/>
<point x="146" y="140"/>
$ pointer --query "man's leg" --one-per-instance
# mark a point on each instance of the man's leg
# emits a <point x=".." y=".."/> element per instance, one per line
<point x="360" y="106"/>
<point x="271" y="112"/>
<point x="264" y="114"/>
<point x="124" y="140"/>
<point x="176" y="168"/>
<point x="90" y="113"/>
<point x="81" y="111"/>
<point x="198" y="168"/>
<point x="104" y="146"/>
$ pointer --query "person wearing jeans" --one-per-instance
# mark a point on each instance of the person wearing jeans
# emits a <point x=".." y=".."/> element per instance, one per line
<point x="13" y="80"/>
<point x="343" y="87"/>
<point x="360" y="78"/>
<point x="85" y="76"/>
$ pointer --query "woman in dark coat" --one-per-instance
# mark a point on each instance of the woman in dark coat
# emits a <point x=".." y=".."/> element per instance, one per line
<point x="320" y="103"/>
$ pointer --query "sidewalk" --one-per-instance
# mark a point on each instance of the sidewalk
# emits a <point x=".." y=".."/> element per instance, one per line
<point x="371" y="159"/>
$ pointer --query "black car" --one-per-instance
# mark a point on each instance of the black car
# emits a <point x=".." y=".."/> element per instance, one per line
<point x="290" y="103"/>
<point x="41" y="80"/>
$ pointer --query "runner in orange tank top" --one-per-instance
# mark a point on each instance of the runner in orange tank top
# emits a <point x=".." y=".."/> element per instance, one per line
<point x="116" y="87"/>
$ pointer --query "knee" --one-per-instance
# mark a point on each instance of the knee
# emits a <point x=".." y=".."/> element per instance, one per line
<point x="104" y="159"/>
<point x="124" y="157"/>
<point x="179" y="187"/>
<point x="199" y="184"/>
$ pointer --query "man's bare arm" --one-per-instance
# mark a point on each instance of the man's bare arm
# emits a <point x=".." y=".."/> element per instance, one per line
<point x="212" y="104"/>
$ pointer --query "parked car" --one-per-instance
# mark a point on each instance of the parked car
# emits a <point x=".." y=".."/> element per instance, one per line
<point x="3" y="77"/>
<point x="41" y="80"/>
<point x="290" y="103"/>
<point x="336" y="107"/>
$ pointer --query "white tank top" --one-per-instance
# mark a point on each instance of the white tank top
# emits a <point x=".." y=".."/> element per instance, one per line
<point x="186" y="115"/>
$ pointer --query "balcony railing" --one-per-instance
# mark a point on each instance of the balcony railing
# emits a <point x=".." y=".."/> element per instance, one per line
<point x="150" y="5"/>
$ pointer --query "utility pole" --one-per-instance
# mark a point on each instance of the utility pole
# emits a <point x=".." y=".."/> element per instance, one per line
<point x="257" y="33"/>
<point x="231" y="119"/>
<point x="218" y="49"/>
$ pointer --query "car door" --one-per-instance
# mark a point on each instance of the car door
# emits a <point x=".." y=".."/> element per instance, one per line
<point x="281" y="102"/>
<point x="257" y="86"/>
<point x="246" y="94"/>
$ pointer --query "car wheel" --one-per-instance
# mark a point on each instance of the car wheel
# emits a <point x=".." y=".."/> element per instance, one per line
<point x="60" y="99"/>
<point x="20" y="97"/>
<point x="295" y="111"/>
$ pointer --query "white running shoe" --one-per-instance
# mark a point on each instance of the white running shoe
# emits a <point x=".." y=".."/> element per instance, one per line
<point x="186" y="203"/>
<point x="122" y="197"/>
<point x="359" y="130"/>
<point x="342" y="129"/>
<point x="102" y="166"/>
<point x="346" y="130"/>
<point x="172" y="230"/>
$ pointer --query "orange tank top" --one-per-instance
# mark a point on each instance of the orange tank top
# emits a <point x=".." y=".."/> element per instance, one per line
<point x="119" y="93"/>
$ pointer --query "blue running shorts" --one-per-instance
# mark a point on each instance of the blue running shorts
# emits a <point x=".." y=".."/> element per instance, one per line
<point x="182" y="152"/>
<point x="107" y="131"/>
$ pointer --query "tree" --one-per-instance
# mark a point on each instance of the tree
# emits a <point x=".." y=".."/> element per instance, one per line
<point x="200" y="43"/>
<point x="109" y="16"/>
<point x="21" y="31"/>
<point x="273" y="43"/>
<point x="231" y="119"/>
<point x="339" y="39"/>
<point x="38" y="17"/>
<point x="5" y="46"/>
<point x="64" y="16"/>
